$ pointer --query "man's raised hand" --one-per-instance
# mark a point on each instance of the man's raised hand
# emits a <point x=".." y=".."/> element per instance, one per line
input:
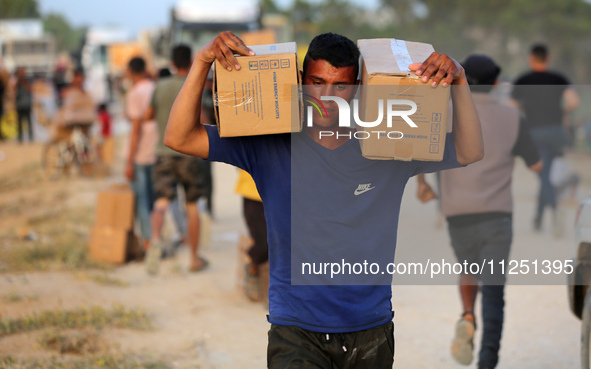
<point x="223" y="47"/>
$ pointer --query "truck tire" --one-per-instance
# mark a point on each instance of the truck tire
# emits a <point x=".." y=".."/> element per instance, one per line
<point x="586" y="333"/>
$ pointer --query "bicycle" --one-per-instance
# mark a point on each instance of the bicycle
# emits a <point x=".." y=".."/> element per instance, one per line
<point x="59" y="156"/>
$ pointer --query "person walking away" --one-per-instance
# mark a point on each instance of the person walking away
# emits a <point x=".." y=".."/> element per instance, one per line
<point x="172" y="168"/>
<point x="23" y="103"/>
<point x="143" y="139"/>
<point x="177" y="211"/>
<point x="545" y="97"/>
<point x="477" y="203"/>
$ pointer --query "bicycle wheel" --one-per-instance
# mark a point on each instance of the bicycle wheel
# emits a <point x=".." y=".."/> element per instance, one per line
<point x="84" y="156"/>
<point x="53" y="161"/>
<point x="85" y="167"/>
<point x="85" y="159"/>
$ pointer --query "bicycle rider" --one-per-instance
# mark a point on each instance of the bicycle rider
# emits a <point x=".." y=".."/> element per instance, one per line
<point x="77" y="111"/>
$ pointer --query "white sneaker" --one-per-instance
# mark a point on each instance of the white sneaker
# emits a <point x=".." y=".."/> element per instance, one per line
<point x="462" y="344"/>
<point x="558" y="223"/>
<point x="153" y="256"/>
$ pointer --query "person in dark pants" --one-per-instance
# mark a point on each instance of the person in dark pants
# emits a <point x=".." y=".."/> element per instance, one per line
<point x="254" y="215"/>
<point x="478" y="205"/>
<point x="545" y="97"/>
<point x="24" y="100"/>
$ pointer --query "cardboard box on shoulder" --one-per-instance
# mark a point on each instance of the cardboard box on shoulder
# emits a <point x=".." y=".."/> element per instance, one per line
<point x="258" y="99"/>
<point x="385" y="76"/>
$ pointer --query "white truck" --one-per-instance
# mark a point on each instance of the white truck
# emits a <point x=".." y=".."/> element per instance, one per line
<point x="196" y="22"/>
<point x="96" y="59"/>
<point x="24" y="43"/>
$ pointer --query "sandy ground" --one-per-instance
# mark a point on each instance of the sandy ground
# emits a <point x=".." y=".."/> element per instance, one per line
<point x="202" y="321"/>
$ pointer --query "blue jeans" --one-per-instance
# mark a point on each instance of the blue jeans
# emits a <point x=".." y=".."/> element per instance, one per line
<point x="490" y="240"/>
<point x="551" y="141"/>
<point x="143" y="187"/>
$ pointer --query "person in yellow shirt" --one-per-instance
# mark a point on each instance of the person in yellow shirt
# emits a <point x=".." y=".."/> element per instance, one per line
<point x="254" y="214"/>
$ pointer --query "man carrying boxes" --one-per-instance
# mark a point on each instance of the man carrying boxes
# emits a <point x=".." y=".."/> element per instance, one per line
<point x="323" y="198"/>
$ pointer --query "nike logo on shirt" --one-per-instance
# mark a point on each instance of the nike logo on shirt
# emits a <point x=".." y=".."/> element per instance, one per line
<point x="363" y="188"/>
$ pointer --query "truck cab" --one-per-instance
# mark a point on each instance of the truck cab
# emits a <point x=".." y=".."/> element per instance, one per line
<point x="196" y="22"/>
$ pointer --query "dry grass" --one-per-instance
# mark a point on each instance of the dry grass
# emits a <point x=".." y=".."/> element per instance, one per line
<point x="58" y="240"/>
<point x="74" y="336"/>
<point x="102" y="279"/>
<point x="96" y="362"/>
<point x="40" y="230"/>
<point x="13" y="296"/>
<point x="81" y="342"/>
<point x="96" y="317"/>
<point x="27" y="176"/>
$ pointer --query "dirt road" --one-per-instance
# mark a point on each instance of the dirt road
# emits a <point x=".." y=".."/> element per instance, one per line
<point x="201" y="321"/>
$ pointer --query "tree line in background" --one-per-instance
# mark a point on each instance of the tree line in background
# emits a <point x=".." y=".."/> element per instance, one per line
<point x="67" y="37"/>
<point x="503" y="29"/>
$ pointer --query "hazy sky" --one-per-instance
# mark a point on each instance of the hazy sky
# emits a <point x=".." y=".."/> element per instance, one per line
<point x="133" y="15"/>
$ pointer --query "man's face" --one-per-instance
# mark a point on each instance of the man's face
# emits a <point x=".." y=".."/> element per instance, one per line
<point x="78" y="80"/>
<point x="534" y="61"/>
<point x="322" y="79"/>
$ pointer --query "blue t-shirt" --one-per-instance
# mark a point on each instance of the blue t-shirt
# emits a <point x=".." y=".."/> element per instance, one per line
<point x="324" y="203"/>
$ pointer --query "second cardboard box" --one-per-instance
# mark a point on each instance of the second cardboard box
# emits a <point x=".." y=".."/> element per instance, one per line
<point x="385" y="76"/>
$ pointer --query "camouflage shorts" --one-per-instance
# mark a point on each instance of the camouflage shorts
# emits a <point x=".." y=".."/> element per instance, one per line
<point x="172" y="170"/>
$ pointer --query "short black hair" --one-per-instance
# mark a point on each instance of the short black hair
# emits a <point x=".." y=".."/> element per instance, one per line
<point x="539" y="52"/>
<point x="481" y="72"/>
<point x="164" y="72"/>
<point x="181" y="56"/>
<point x="79" y="72"/>
<point x="338" y="50"/>
<point x="137" y="65"/>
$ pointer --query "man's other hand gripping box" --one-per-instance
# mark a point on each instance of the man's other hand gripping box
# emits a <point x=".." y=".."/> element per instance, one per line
<point x="385" y="76"/>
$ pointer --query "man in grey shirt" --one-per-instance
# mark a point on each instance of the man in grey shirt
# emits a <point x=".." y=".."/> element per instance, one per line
<point x="173" y="168"/>
<point x="477" y="202"/>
